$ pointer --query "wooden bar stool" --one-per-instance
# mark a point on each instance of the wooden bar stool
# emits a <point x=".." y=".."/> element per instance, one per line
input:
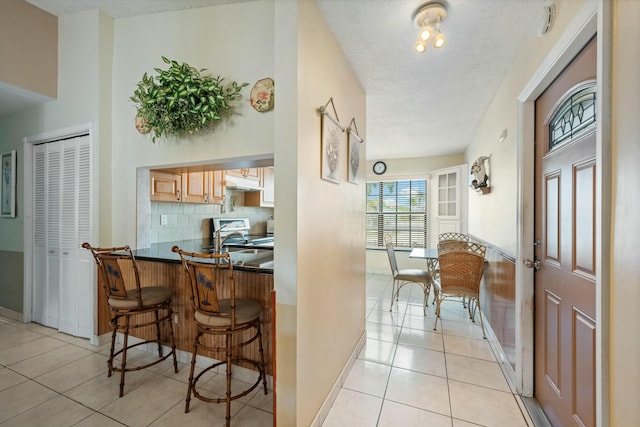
<point x="211" y="275"/>
<point x="128" y="305"/>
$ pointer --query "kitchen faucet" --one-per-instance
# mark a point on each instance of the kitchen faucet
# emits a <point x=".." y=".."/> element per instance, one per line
<point x="218" y="242"/>
<point x="234" y="234"/>
<point x="217" y="246"/>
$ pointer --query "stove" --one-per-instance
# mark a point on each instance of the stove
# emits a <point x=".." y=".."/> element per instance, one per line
<point x="236" y="232"/>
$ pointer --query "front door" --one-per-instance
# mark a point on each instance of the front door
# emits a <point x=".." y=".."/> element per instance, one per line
<point x="565" y="320"/>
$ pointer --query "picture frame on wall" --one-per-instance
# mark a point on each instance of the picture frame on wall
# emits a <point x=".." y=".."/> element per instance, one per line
<point x="355" y="150"/>
<point x="332" y="135"/>
<point x="8" y="185"/>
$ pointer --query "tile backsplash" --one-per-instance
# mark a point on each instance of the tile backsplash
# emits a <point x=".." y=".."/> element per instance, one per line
<point x="185" y="221"/>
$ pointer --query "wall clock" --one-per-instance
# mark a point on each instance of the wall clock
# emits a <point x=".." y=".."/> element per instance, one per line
<point x="379" y="168"/>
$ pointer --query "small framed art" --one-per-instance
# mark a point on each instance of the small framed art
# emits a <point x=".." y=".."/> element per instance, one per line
<point x="332" y="135"/>
<point x="8" y="187"/>
<point x="355" y="154"/>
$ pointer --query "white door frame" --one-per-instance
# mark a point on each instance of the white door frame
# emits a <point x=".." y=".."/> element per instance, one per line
<point x="27" y="161"/>
<point x="594" y="17"/>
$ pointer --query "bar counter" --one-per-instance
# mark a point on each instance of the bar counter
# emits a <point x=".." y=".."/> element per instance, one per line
<point x="159" y="266"/>
<point x="162" y="252"/>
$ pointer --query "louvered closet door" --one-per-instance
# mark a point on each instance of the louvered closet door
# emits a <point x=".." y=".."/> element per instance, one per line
<point x="40" y="283"/>
<point x="53" y="195"/>
<point x="63" y="277"/>
<point x="84" y="262"/>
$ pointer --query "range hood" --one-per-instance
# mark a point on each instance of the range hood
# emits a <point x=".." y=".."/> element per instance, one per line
<point x="241" y="184"/>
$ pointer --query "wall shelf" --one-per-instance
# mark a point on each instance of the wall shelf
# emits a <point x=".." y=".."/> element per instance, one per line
<point x="482" y="190"/>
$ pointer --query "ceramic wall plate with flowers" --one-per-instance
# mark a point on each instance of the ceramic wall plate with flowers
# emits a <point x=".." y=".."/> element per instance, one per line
<point x="262" y="95"/>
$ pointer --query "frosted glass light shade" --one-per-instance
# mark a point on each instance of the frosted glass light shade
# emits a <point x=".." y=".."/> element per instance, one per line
<point x="420" y="47"/>
<point x="439" y="40"/>
<point x="425" y="33"/>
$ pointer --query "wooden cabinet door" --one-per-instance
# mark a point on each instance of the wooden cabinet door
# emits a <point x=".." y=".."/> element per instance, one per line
<point x="195" y="187"/>
<point x="268" y="194"/>
<point x="246" y="173"/>
<point x="266" y="197"/>
<point x="165" y="187"/>
<point x="216" y="186"/>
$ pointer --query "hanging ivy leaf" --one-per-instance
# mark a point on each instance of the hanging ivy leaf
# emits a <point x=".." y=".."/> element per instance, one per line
<point x="181" y="99"/>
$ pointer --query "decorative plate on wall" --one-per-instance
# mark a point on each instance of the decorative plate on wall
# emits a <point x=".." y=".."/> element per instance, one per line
<point x="262" y="95"/>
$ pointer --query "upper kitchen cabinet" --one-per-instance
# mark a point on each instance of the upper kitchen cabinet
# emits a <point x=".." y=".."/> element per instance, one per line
<point x="195" y="187"/>
<point x="216" y="185"/>
<point x="265" y="197"/>
<point x="165" y="187"/>
<point x="246" y="173"/>
<point x="188" y="187"/>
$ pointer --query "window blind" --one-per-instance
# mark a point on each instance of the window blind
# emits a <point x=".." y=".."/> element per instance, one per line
<point x="397" y="208"/>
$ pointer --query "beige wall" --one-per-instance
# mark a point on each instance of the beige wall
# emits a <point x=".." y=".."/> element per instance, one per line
<point x="28" y="47"/>
<point x="624" y="351"/>
<point x="330" y="220"/>
<point x="621" y="347"/>
<point x="493" y="217"/>
<point x="77" y="104"/>
<point x="418" y="167"/>
<point x="234" y="41"/>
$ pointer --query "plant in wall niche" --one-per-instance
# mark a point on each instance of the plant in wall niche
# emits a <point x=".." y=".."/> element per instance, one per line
<point x="181" y="100"/>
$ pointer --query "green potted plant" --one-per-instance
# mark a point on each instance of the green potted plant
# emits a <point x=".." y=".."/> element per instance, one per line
<point x="181" y="100"/>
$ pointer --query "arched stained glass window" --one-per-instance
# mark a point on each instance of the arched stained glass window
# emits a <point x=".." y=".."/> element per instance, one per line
<point x="575" y="114"/>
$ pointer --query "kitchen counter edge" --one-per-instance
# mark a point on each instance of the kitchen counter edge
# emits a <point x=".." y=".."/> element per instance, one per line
<point x="161" y="252"/>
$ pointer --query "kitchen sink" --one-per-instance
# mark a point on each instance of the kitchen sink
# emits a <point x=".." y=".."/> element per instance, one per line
<point x="248" y="257"/>
<point x="261" y="258"/>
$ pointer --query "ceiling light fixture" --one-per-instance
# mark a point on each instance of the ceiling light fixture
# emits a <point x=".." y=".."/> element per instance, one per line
<point x="428" y="18"/>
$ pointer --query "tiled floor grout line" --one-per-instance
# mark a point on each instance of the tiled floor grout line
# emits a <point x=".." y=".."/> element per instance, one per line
<point x="398" y="322"/>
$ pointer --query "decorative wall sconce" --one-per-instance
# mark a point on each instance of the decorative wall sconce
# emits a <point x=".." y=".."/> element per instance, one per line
<point x="428" y="18"/>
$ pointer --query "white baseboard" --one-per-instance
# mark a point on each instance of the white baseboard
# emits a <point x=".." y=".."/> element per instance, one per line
<point x="333" y="394"/>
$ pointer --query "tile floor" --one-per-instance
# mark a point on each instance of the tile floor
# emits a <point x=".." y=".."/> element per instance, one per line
<point x="51" y="379"/>
<point x="406" y="375"/>
<point x="410" y="375"/>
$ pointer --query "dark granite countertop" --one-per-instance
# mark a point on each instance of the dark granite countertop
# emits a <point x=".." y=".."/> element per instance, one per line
<point x="242" y="258"/>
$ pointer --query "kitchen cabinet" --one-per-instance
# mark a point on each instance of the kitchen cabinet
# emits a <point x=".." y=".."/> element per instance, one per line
<point x="188" y="187"/>
<point x="165" y="187"/>
<point x="246" y="173"/>
<point x="216" y="182"/>
<point x="265" y="197"/>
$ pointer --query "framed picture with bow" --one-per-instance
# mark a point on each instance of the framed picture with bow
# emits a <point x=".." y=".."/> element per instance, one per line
<point x="355" y="149"/>
<point x="331" y="144"/>
<point x="8" y="187"/>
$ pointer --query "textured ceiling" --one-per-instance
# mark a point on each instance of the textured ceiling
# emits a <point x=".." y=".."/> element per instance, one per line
<point x="417" y="105"/>
<point x="122" y="8"/>
<point x="429" y="104"/>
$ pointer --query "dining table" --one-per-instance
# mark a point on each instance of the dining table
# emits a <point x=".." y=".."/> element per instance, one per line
<point x="424" y="253"/>
<point x="429" y="254"/>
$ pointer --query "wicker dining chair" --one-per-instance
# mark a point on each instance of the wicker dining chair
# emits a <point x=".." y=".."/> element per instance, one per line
<point x="453" y="236"/>
<point x="406" y="276"/>
<point x="129" y="306"/>
<point x="446" y="237"/>
<point x="458" y="245"/>
<point x="210" y="277"/>
<point x="460" y="276"/>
